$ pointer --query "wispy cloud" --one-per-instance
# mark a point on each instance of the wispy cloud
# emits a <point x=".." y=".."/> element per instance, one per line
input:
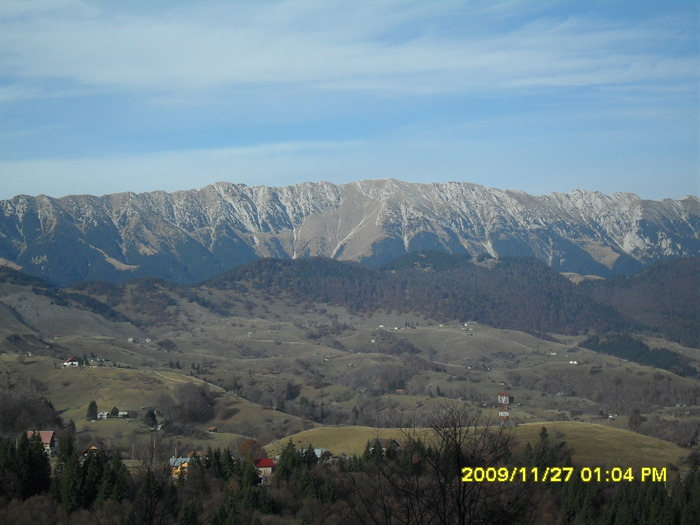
<point x="102" y="96"/>
<point x="385" y="46"/>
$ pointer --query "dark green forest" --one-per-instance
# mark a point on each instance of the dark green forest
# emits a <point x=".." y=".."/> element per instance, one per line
<point x="512" y="292"/>
<point x="663" y="298"/>
<point x="522" y="294"/>
<point x="632" y="349"/>
<point x="416" y="479"/>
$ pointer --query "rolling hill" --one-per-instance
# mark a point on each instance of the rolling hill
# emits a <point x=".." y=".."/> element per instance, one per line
<point x="278" y="347"/>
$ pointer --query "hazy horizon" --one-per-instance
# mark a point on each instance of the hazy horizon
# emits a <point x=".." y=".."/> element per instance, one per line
<point x="337" y="184"/>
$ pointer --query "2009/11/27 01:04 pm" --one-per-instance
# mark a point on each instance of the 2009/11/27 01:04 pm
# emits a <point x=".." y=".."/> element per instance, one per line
<point x="562" y="474"/>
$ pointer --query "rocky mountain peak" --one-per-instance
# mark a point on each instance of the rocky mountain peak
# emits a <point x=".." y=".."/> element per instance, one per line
<point x="191" y="235"/>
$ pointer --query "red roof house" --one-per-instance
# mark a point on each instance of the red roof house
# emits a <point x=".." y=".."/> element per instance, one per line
<point x="264" y="467"/>
<point x="48" y="438"/>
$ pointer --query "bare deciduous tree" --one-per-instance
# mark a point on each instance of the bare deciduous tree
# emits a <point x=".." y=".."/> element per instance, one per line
<point x="422" y="482"/>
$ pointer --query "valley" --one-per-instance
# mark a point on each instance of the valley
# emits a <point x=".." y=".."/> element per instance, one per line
<point x="361" y="385"/>
<point x="256" y="364"/>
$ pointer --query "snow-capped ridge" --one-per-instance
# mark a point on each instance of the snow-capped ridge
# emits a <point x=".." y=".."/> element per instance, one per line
<point x="194" y="234"/>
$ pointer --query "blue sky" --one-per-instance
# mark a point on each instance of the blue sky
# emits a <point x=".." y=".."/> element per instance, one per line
<point x="101" y="96"/>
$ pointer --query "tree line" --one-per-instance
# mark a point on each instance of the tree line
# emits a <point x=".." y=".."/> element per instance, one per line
<point x="414" y="479"/>
<point x="519" y="293"/>
<point x="512" y="292"/>
<point x="628" y="347"/>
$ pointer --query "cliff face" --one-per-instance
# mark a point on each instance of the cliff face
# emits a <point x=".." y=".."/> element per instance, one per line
<point x="192" y="235"/>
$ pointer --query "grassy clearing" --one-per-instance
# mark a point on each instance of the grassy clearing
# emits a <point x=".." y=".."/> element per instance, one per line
<point x="339" y="440"/>
<point x="593" y="445"/>
<point x="71" y="390"/>
<point x="606" y="446"/>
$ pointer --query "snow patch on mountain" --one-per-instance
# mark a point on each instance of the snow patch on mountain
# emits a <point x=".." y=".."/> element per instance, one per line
<point x="191" y="235"/>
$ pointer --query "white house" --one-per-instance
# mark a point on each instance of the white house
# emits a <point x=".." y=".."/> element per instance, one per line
<point x="71" y="361"/>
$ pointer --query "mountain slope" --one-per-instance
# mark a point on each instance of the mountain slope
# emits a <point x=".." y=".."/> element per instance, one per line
<point x="518" y="293"/>
<point x="664" y="297"/>
<point x="32" y="307"/>
<point x="192" y="235"/>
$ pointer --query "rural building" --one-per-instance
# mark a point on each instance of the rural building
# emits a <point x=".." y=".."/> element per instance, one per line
<point x="179" y="466"/>
<point x="71" y="361"/>
<point x="264" y="467"/>
<point x="97" y="446"/>
<point x="48" y="439"/>
<point x="384" y="443"/>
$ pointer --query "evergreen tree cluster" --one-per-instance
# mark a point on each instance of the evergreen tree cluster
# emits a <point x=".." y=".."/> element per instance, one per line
<point x="628" y="347"/>
<point x="519" y="293"/>
<point x="78" y="482"/>
<point x="21" y="409"/>
<point x="24" y="468"/>
<point x="663" y="298"/>
<point x="416" y="479"/>
<point x="624" y="503"/>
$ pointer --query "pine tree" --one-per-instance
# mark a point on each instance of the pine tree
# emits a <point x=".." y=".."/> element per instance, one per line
<point x="115" y="479"/>
<point x="32" y="466"/>
<point x="288" y="462"/>
<point x="66" y="483"/>
<point x="544" y="455"/>
<point x="91" y="411"/>
<point x="8" y="476"/>
<point x="92" y="473"/>
<point x="150" y="419"/>
<point x="227" y="513"/>
<point x="228" y="465"/>
<point x="309" y="456"/>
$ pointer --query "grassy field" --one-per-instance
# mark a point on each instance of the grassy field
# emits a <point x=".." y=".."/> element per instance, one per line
<point x="71" y="390"/>
<point x="350" y="440"/>
<point x="599" y="445"/>
<point x="592" y="445"/>
<point x="282" y="369"/>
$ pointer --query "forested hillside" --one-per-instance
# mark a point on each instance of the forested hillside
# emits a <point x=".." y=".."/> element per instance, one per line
<point x="518" y="293"/>
<point x="511" y="292"/>
<point x="278" y="348"/>
<point x="665" y="298"/>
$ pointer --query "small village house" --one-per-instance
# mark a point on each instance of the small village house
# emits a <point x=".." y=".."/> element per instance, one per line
<point x="264" y="466"/>
<point x="385" y="444"/>
<point x="179" y="466"/>
<point x="97" y="446"/>
<point x="48" y="439"/>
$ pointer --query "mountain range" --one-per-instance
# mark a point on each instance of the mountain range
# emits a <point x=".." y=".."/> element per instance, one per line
<point x="190" y="236"/>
